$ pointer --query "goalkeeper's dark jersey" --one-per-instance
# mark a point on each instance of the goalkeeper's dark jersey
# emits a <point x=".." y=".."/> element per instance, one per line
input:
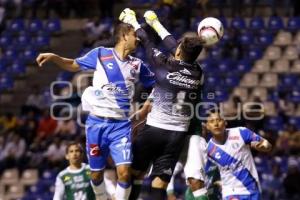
<point x="177" y="89"/>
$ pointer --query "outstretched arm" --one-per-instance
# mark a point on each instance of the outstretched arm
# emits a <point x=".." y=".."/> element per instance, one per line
<point x="168" y="40"/>
<point x="64" y="63"/>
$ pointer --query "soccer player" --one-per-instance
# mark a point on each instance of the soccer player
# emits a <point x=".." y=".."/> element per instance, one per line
<point x="74" y="182"/>
<point x="108" y="128"/>
<point x="230" y="150"/>
<point x="178" y="84"/>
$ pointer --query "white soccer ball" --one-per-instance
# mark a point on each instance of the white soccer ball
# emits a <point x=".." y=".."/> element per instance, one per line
<point x="210" y="30"/>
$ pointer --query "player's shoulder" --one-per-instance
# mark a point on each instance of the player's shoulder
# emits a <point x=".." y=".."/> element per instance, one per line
<point x="63" y="173"/>
<point x="237" y="129"/>
<point x="134" y="59"/>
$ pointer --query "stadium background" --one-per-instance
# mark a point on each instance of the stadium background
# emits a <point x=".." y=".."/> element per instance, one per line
<point x="257" y="60"/>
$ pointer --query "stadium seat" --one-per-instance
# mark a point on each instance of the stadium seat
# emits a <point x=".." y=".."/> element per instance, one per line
<point x="291" y="53"/>
<point x="294" y="121"/>
<point x="294" y="96"/>
<point x="243" y="66"/>
<point x="275" y="23"/>
<point x="5" y="41"/>
<point x="212" y="81"/>
<point x="238" y="23"/>
<point x="16" y="25"/>
<point x="22" y="41"/>
<point x="221" y="95"/>
<point x="293" y="24"/>
<point x="283" y="38"/>
<point x="281" y="66"/>
<point x="273" y="96"/>
<point x="228" y="108"/>
<point x="53" y="25"/>
<point x="2" y="65"/>
<point x="264" y="39"/>
<point x="261" y="66"/>
<point x="29" y="177"/>
<point x="255" y="53"/>
<point x="260" y="93"/>
<point x="269" y="80"/>
<point x="231" y="81"/>
<point x="274" y="123"/>
<point x="296" y="39"/>
<point x="241" y="92"/>
<point x="257" y="23"/>
<point x="10" y="176"/>
<point x="272" y="53"/>
<point x="6" y="82"/>
<point x="17" y="68"/>
<point x="224" y="66"/>
<point x="11" y="53"/>
<point x="249" y="80"/>
<point x="35" y="25"/>
<point x="270" y="109"/>
<point x="42" y="41"/>
<point x="29" y="55"/>
<point x="288" y="81"/>
<point x="15" y="191"/>
<point x="295" y="67"/>
<point x="246" y="38"/>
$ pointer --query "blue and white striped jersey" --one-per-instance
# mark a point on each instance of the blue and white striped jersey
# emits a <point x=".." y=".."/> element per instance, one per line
<point x="113" y="82"/>
<point x="235" y="162"/>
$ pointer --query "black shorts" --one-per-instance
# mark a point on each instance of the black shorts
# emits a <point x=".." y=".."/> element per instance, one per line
<point x="159" y="147"/>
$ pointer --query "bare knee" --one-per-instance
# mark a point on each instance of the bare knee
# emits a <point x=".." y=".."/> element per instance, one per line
<point x="159" y="183"/>
<point x="195" y="184"/>
<point x="96" y="176"/>
<point x="123" y="172"/>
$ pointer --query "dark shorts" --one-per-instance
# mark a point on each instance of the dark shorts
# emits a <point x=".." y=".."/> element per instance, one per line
<point x="158" y="147"/>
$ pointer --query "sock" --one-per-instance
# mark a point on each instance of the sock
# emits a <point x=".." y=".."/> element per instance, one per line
<point x="158" y="193"/>
<point x="136" y="189"/>
<point x="99" y="189"/>
<point x="110" y="182"/>
<point x="200" y="194"/>
<point x="123" y="190"/>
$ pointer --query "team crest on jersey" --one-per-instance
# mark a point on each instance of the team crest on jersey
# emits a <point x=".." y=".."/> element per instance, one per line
<point x="94" y="150"/>
<point x="218" y="155"/>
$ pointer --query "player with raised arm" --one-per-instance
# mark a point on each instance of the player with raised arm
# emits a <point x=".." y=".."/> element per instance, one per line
<point x="178" y="86"/>
<point x="73" y="183"/>
<point x="108" y="128"/>
<point x="230" y="150"/>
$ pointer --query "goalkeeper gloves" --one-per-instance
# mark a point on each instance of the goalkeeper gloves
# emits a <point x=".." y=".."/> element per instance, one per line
<point x="128" y="16"/>
<point x="152" y="20"/>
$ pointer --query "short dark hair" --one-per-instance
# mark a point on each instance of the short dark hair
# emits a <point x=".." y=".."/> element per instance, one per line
<point x="72" y="144"/>
<point x="120" y="29"/>
<point x="191" y="47"/>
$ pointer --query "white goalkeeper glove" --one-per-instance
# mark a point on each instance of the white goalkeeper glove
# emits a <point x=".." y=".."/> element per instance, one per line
<point x="152" y="20"/>
<point x="128" y="16"/>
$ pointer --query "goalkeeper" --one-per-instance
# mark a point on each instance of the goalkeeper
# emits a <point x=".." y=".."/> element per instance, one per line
<point x="179" y="80"/>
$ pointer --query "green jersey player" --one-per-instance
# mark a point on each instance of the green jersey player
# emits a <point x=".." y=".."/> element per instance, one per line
<point x="73" y="183"/>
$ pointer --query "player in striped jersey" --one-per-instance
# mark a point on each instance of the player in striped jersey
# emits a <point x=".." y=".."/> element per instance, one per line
<point x="230" y="150"/>
<point x="108" y="128"/>
<point x="73" y="183"/>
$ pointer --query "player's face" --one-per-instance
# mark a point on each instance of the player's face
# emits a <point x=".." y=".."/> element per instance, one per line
<point x="74" y="154"/>
<point x="132" y="41"/>
<point x="216" y="124"/>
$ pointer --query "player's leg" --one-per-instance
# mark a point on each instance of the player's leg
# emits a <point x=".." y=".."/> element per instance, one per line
<point x="144" y="148"/>
<point x="97" y="152"/>
<point x="195" y="167"/>
<point x="110" y="180"/>
<point x="164" y="164"/>
<point x="120" y="150"/>
<point x="170" y="188"/>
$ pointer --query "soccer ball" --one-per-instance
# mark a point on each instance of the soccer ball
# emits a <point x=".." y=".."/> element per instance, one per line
<point x="210" y="30"/>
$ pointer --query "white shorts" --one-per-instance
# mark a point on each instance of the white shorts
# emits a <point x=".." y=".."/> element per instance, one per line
<point x="196" y="158"/>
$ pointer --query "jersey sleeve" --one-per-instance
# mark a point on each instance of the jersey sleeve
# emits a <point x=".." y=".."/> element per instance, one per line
<point x="156" y="57"/>
<point x="170" y="43"/>
<point x="59" y="189"/>
<point x="249" y="136"/>
<point x="89" y="60"/>
<point x="147" y="77"/>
